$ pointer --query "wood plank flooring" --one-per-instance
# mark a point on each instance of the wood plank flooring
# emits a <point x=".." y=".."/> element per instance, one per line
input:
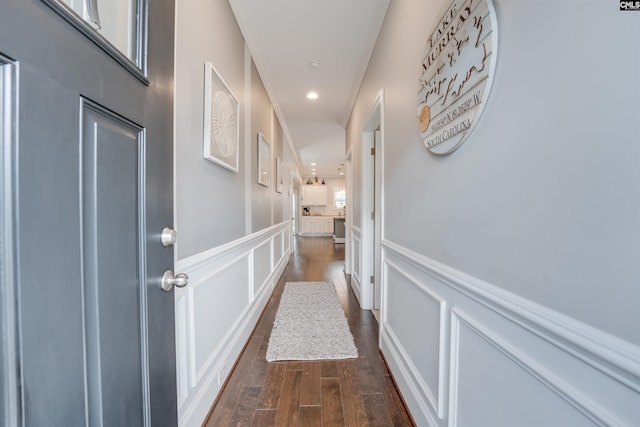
<point x="350" y="392"/>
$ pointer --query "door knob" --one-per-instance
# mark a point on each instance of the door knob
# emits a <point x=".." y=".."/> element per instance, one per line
<point x="168" y="280"/>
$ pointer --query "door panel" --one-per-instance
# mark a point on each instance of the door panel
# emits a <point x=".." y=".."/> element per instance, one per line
<point x="95" y="332"/>
<point x="112" y="274"/>
<point x="49" y="261"/>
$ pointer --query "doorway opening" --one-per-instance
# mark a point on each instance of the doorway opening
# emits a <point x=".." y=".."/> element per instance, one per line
<point x="377" y="210"/>
<point x="294" y="204"/>
<point x="294" y="212"/>
<point x="372" y="203"/>
<point x="348" y="213"/>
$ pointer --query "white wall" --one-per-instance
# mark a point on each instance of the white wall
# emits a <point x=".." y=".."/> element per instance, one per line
<point x="233" y="234"/>
<point x="206" y="195"/>
<point x="511" y="266"/>
<point x="261" y="120"/>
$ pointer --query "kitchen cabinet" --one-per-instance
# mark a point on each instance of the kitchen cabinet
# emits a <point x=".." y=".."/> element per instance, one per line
<point x="314" y="195"/>
<point x="317" y="225"/>
<point x="308" y="226"/>
<point x="326" y="225"/>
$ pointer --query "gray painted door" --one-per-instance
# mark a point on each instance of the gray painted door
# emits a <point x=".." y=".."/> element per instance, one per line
<point x="91" y="176"/>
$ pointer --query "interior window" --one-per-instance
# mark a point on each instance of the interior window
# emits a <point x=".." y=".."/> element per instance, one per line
<point x="340" y="198"/>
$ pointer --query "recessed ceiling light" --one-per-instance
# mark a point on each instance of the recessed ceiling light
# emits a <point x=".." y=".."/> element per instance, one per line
<point x="313" y="164"/>
<point x="313" y="173"/>
<point x="312" y="95"/>
<point x="341" y="173"/>
<point x="314" y="64"/>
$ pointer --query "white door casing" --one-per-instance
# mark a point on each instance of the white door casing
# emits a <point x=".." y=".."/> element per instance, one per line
<point x="372" y="202"/>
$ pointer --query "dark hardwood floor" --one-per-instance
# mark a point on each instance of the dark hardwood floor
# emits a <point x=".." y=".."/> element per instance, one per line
<point x="350" y="392"/>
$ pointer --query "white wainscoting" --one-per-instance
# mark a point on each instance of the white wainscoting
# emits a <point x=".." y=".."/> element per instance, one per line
<point x="356" y="257"/>
<point x="229" y="287"/>
<point x="465" y="352"/>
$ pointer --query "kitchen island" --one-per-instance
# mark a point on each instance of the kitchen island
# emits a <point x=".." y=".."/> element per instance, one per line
<point x="338" y="229"/>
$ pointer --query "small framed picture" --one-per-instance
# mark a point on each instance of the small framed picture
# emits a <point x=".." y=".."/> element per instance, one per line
<point x="279" y="179"/>
<point x="264" y="161"/>
<point x="221" y="116"/>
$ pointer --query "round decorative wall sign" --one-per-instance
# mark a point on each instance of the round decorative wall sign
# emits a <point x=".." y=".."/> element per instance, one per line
<point x="456" y="74"/>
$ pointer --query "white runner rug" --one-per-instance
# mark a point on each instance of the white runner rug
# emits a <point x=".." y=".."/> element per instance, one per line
<point x="310" y="325"/>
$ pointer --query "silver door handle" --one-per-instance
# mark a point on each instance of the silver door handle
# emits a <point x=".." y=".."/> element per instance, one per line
<point x="168" y="280"/>
<point x="168" y="237"/>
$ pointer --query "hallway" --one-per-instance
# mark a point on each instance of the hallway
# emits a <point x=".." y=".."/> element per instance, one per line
<point x="352" y="392"/>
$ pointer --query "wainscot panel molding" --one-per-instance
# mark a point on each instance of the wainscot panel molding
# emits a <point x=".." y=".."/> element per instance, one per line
<point x="228" y="289"/>
<point x="262" y="265"/>
<point x="491" y="345"/>
<point x="523" y="378"/>
<point x="403" y="373"/>
<point x="433" y="310"/>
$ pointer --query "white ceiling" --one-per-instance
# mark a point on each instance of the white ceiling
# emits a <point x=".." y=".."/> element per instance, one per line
<point x="284" y="37"/>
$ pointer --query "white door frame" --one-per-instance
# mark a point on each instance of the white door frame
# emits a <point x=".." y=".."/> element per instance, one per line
<point x="348" y="259"/>
<point x="294" y="194"/>
<point x="377" y="209"/>
<point x="372" y="226"/>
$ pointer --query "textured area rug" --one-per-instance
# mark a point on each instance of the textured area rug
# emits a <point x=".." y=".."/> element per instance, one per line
<point x="310" y="325"/>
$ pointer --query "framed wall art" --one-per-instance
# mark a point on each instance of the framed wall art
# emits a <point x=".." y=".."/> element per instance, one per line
<point x="221" y="117"/>
<point x="279" y="178"/>
<point x="264" y="161"/>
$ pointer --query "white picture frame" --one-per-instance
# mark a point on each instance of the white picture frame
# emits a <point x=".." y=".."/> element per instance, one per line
<point x="264" y="161"/>
<point x="221" y="143"/>
<point x="279" y="178"/>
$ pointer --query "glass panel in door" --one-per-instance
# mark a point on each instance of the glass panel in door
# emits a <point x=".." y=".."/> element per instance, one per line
<point x="117" y="26"/>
